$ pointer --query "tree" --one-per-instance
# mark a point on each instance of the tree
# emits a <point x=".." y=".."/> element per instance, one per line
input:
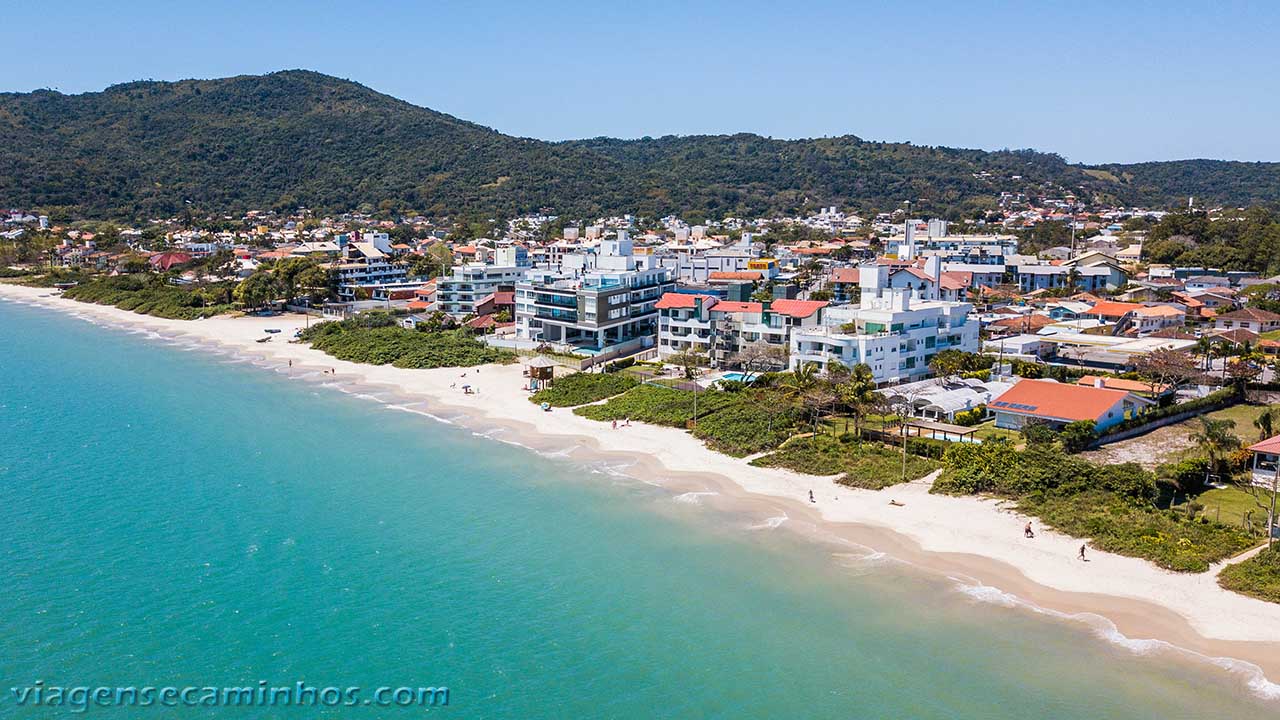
<point x="758" y="356"/>
<point x="1078" y="435"/>
<point x="1166" y="368"/>
<point x="948" y="364"/>
<point x="858" y="393"/>
<point x="688" y="361"/>
<point x="1265" y="422"/>
<point x="256" y="290"/>
<point x="1216" y="439"/>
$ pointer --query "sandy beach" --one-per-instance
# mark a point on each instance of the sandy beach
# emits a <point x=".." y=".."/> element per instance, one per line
<point x="975" y="541"/>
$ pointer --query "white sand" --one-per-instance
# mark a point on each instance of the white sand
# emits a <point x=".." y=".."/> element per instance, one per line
<point x="937" y="524"/>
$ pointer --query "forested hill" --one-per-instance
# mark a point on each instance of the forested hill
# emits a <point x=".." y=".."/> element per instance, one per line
<point x="301" y="138"/>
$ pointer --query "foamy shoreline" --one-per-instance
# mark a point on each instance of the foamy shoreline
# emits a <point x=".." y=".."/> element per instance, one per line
<point x="973" y="540"/>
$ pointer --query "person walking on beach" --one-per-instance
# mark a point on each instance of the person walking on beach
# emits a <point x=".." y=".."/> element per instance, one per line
<point x="615" y="424"/>
<point x="628" y="422"/>
<point x="811" y="499"/>
<point x="1027" y="532"/>
<point x="1082" y="557"/>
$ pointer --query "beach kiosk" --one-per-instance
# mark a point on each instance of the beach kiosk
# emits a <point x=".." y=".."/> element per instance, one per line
<point x="541" y="372"/>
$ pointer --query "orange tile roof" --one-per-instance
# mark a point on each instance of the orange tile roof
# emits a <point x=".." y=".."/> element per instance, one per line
<point x="1049" y="399"/>
<point x="1109" y="308"/>
<point x="1160" y="311"/>
<point x="738" y="307"/>
<point x="671" y="300"/>
<point x="955" y="280"/>
<point x="1133" y="386"/>
<point x="845" y="275"/>
<point x="797" y="308"/>
<point x="735" y="275"/>
<point x="1270" y="445"/>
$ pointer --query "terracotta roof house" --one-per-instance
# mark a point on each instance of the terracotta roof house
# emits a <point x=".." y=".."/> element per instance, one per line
<point x="1137" y="387"/>
<point x="797" y="308"/>
<point x="1253" y="319"/>
<point x="1058" y="404"/>
<point x="164" y="261"/>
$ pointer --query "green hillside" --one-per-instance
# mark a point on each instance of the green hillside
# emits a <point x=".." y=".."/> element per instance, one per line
<point x="291" y="138"/>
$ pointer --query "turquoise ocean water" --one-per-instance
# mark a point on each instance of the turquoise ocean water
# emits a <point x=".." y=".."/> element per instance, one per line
<point x="174" y="518"/>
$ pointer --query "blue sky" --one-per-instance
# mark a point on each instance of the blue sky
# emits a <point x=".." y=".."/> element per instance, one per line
<point x="1115" y="81"/>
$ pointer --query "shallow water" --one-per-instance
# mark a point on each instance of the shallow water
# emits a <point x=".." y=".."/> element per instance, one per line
<point x="171" y="518"/>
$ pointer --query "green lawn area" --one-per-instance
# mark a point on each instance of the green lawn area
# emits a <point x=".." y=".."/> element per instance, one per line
<point x="1243" y="415"/>
<point x="1228" y="506"/>
<point x="988" y="431"/>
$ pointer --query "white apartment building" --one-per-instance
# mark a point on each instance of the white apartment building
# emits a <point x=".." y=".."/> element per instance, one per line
<point x="722" y="328"/>
<point x="592" y="304"/>
<point x="896" y="332"/>
<point x="458" y="294"/>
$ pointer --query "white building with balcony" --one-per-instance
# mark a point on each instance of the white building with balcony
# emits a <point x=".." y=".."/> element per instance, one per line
<point x="720" y="329"/>
<point x="458" y="294"/>
<point x="605" y="300"/>
<point x="896" y="332"/>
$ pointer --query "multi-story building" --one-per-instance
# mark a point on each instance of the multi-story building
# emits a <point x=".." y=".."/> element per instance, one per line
<point x="469" y="284"/>
<point x="894" y="331"/>
<point x="720" y="329"/>
<point x="363" y="267"/>
<point x="610" y="303"/>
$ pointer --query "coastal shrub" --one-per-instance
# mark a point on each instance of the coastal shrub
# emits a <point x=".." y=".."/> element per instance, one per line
<point x="151" y="295"/>
<point x="655" y="404"/>
<point x="1112" y="505"/>
<point x="1258" y="577"/>
<point x="969" y="418"/>
<point x="735" y="423"/>
<point x="1170" y="540"/>
<point x="868" y="465"/>
<point x="752" y="421"/>
<point x="582" y="388"/>
<point x="382" y="344"/>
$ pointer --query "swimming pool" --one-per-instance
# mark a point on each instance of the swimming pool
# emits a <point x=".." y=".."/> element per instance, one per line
<point x="737" y="377"/>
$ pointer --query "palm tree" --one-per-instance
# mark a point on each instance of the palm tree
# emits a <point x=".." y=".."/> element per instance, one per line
<point x="858" y="393"/>
<point x="1217" y="441"/>
<point x="1265" y="422"/>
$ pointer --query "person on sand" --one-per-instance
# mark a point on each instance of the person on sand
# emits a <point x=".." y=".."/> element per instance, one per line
<point x="290" y="363"/>
<point x="628" y="422"/>
<point x="1082" y="557"/>
<point x="895" y="503"/>
<point x="615" y="424"/>
<point x="1027" y="532"/>
<point x="811" y="497"/>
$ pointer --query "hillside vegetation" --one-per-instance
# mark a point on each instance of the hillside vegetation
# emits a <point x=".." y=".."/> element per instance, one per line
<point x="292" y="138"/>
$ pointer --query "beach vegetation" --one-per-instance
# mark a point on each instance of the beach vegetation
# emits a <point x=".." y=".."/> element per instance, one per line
<point x="737" y="423"/>
<point x="376" y="339"/>
<point x="1112" y="505"/>
<point x="154" y="295"/>
<point x="581" y="388"/>
<point x="1258" y="577"/>
<point x="867" y="465"/>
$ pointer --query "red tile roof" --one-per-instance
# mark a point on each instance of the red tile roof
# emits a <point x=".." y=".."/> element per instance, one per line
<point x="1251" y="315"/>
<point x="955" y="280"/>
<point x="671" y="300"/>
<point x="1049" y="399"/>
<point x="1112" y="309"/>
<point x="845" y="275"/>
<point x="727" y="306"/>
<point x="1270" y="445"/>
<point x="796" y="308"/>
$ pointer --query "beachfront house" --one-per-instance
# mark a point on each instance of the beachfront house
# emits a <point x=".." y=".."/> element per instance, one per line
<point x="1057" y="404"/>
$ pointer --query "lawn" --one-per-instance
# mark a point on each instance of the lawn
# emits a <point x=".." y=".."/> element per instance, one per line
<point x="1228" y="506"/>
